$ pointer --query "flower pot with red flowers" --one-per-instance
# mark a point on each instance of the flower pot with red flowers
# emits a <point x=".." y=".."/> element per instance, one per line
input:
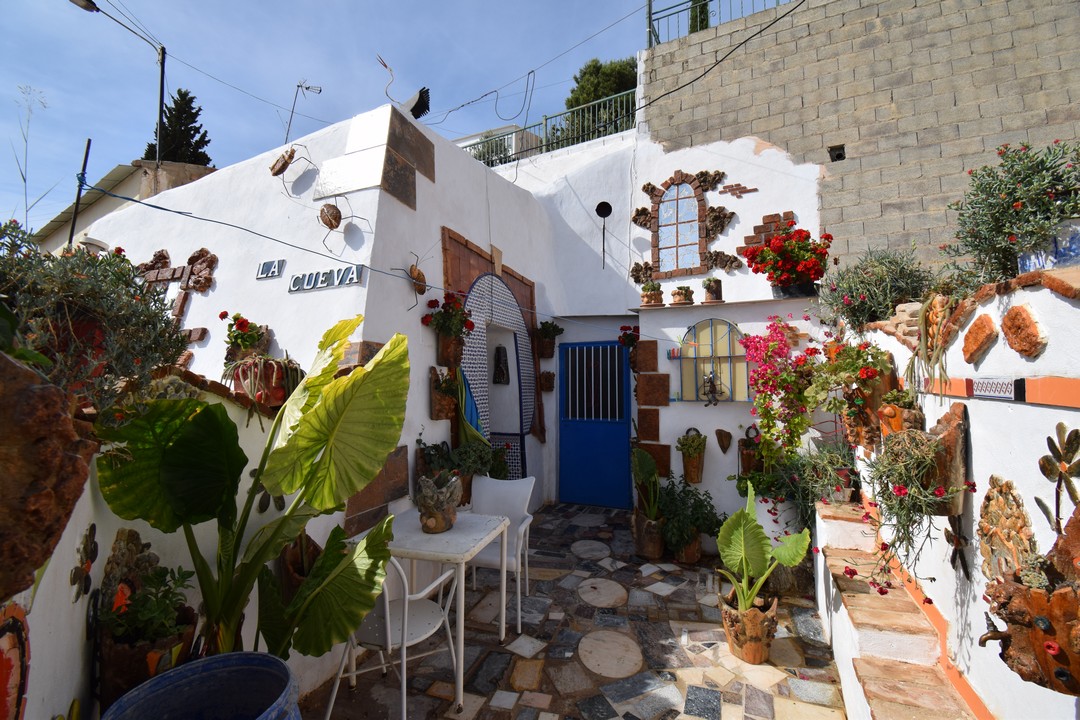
<point x="792" y="261"/>
<point x="244" y="338"/>
<point x="444" y="394"/>
<point x="628" y="337"/>
<point x="545" y="338"/>
<point x="453" y="323"/>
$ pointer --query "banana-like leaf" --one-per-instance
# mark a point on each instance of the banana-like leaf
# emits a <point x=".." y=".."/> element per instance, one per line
<point x="258" y="550"/>
<point x="147" y="478"/>
<point x="273" y="627"/>
<point x="1049" y="468"/>
<point x="744" y="546"/>
<point x="341" y="589"/>
<point x="341" y="444"/>
<point x="792" y="548"/>
<point x="331" y="350"/>
<point x="1061" y="429"/>
<point x="642" y="466"/>
<point x="1071" y="489"/>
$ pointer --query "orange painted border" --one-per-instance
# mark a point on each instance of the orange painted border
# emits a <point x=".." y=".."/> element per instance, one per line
<point x="1056" y="391"/>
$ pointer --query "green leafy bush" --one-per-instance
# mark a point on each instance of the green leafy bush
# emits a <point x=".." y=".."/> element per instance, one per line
<point x="150" y="612"/>
<point x="1011" y="209"/>
<point x="870" y="289"/>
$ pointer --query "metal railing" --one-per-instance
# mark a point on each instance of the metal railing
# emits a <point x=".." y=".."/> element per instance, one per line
<point x="603" y="117"/>
<point x="688" y="16"/>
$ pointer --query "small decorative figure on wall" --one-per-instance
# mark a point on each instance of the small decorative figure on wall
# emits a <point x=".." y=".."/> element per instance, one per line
<point x="710" y="390"/>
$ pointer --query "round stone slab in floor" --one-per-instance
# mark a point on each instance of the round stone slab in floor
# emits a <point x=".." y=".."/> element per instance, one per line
<point x="590" y="549"/>
<point x="589" y="520"/>
<point x="602" y="593"/>
<point x="610" y="654"/>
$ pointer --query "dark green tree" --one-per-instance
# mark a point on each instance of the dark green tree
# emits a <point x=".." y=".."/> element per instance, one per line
<point x="597" y="80"/>
<point x="184" y="138"/>
<point x="699" y="15"/>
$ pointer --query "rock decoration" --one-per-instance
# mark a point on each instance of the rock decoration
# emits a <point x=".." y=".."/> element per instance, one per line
<point x="643" y="218"/>
<point x="710" y="179"/>
<point x="44" y="463"/>
<point x="721" y="260"/>
<point x="1022" y="332"/>
<point x="717" y="219"/>
<point x="1007" y="542"/>
<point x="979" y="338"/>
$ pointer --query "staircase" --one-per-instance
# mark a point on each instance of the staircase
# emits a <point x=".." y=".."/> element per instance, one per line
<point x="886" y="650"/>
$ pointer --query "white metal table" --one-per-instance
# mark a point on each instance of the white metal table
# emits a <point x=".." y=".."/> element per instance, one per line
<point x="456" y="546"/>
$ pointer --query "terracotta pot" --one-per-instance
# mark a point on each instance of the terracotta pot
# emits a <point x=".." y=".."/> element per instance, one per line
<point x="262" y="380"/>
<point x="656" y="297"/>
<point x="749" y="459"/>
<point x="466" y="489"/>
<point x="895" y="418"/>
<point x="547" y="381"/>
<point x="443" y="406"/>
<point x="692" y="467"/>
<point x="749" y="634"/>
<point x="545" y="347"/>
<point x="691" y="552"/>
<point x="680" y="297"/>
<point x="714" y="294"/>
<point x="648" y="540"/>
<point x="123" y="666"/>
<point x="437" y="520"/>
<point x="448" y="351"/>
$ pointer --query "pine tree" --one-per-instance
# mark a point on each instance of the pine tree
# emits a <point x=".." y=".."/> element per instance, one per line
<point x="184" y="138"/>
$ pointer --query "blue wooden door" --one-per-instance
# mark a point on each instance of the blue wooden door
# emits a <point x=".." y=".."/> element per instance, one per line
<point x="594" y="424"/>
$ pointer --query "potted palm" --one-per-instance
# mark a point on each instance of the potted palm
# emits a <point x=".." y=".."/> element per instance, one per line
<point x="692" y="446"/>
<point x="546" y="334"/>
<point x="749" y="558"/>
<point x="648" y="539"/>
<point x="177" y="463"/>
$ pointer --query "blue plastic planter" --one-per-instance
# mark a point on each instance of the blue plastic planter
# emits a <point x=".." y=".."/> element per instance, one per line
<point x="233" y="686"/>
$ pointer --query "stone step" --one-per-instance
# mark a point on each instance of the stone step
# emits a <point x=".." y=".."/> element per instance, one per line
<point x="890" y="626"/>
<point x="841" y="526"/>
<point x="900" y="691"/>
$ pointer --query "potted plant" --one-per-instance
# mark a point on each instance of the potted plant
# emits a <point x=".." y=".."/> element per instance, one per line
<point x="692" y="446"/>
<point x="473" y="457"/>
<point x="264" y="379"/>
<point x="453" y="323"/>
<point x="688" y="512"/>
<point x="444" y="394"/>
<point x="682" y="295"/>
<point x="546" y="334"/>
<point x="437" y="498"/>
<point x="177" y="463"/>
<point x="648" y="539"/>
<point x="826" y="471"/>
<point x="714" y="292"/>
<point x="899" y="410"/>
<point x="77" y="309"/>
<point x="145" y="627"/>
<point x="910" y="488"/>
<point x="651" y="294"/>
<point x="749" y="558"/>
<point x="850" y="383"/>
<point x="547" y="381"/>
<point x="642" y="274"/>
<point x="792" y="261"/>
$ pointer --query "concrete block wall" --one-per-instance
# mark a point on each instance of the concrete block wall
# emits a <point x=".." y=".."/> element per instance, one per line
<point x="916" y="92"/>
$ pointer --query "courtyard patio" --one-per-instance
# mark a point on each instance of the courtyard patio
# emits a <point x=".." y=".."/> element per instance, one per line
<point x="606" y="634"/>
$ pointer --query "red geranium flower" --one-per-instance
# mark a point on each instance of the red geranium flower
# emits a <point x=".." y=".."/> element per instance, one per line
<point x="223" y="315"/>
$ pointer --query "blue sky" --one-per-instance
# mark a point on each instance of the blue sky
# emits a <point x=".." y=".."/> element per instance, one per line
<point x="101" y="82"/>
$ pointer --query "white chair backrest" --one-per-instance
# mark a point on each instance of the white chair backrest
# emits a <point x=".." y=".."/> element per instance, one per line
<point x="502" y="497"/>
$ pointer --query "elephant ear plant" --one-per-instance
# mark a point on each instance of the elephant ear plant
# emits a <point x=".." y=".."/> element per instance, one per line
<point x="178" y="464"/>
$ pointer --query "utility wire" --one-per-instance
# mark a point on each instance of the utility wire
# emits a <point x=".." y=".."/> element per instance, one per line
<point x="130" y="17"/>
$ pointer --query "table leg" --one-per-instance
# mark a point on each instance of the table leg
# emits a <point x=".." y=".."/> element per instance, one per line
<point x="502" y="588"/>
<point x="459" y="671"/>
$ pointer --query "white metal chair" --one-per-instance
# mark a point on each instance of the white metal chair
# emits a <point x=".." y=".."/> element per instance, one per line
<point x="509" y="498"/>
<point x="413" y="616"/>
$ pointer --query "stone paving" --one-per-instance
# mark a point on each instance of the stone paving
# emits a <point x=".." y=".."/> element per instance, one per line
<point x="607" y="635"/>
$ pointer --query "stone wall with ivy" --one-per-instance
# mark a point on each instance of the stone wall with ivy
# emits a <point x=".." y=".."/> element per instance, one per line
<point x="897" y="99"/>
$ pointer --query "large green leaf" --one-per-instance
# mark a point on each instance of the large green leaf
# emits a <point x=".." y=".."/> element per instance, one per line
<point x="792" y="548"/>
<point x="331" y="350"/>
<point x="342" y="443"/>
<point x="342" y="588"/>
<point x="273" y="627"/>
<point x="282" y="531"/>
<point x="143" y="478"/>
<point x="201" y="467"/>
<point x="744" y="547"/>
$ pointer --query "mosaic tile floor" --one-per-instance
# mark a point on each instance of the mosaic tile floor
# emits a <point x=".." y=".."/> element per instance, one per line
<point x="606" y="635"/>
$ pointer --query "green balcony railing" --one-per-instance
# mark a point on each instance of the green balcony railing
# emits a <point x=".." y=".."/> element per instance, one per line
<point x="678" y="19"/>
<point x="603" y="117"/>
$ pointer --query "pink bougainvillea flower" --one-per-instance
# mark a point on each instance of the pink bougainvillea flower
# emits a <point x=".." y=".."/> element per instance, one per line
<point x="866" y="517"/>
<point x="850" y="571"/>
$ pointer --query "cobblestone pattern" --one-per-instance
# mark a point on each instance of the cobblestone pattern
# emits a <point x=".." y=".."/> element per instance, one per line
<point x="916" y="92"/>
